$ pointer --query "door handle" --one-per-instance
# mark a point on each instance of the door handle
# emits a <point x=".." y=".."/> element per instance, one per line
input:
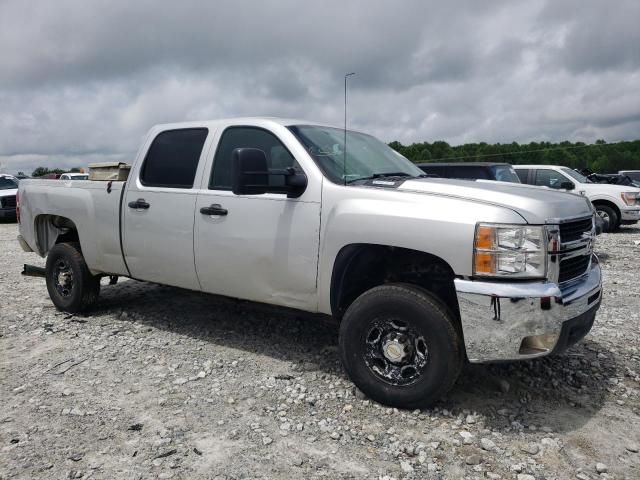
<point x="139" y="204"/>
<point x="214" y="209"/>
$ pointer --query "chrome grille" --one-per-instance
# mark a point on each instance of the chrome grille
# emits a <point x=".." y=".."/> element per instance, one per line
<point x="570" y="248"/>
<point x="572" y="231"/>
<point x="573" y="267"/>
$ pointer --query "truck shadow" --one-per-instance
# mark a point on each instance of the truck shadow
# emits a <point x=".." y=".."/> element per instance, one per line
<point x="561" y="392"/>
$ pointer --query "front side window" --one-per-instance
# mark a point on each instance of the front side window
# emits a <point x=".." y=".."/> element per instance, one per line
<point x="172" y="159"/>
<point x="550" y="178"/>
<point x="363" y="158"/>
<point x="278" y="157"/>
<point x="576" y="176"/>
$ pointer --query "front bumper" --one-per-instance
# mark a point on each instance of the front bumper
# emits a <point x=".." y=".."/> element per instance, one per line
<point x="630" y="215"/>
<point x="515" y="321"/>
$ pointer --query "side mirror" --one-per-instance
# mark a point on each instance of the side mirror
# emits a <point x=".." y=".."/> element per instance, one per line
<point x="567" y="185"/>
<point x="249" y="172"/>
<point x="250" y="175"/>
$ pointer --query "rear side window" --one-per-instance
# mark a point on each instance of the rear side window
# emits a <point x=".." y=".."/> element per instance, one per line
<point x="278" y="157"/>
<point x="434" y="170"/>
<point x="172" y="159"/>
<point x="469" y="172"/>
<point x="523" y="174"/>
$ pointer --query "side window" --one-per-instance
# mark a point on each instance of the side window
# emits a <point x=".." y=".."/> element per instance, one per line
<point x="549" y="178"/>
<point x="173" y="158"/>
<point x="278" y="157"/>
<point x="523" y="174"/>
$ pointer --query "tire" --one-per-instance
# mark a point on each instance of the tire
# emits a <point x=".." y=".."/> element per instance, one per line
<point x="609" y="216"/>
<point x="71" y="286"/>
<point x="432" y="353"/>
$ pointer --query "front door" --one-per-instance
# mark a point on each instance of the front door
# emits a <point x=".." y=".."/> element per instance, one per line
<point x="158" y="210"/>
<point x="263" y="247"/>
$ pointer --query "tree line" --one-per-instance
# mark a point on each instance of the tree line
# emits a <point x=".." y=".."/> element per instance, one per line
<point x="599" y="157"/>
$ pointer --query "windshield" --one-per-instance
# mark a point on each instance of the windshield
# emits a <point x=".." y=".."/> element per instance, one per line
<point x="575" y="175"/>
<point x="505" y="173"/>
<point x="7" y="183"/>
<point x="366" y="157"/>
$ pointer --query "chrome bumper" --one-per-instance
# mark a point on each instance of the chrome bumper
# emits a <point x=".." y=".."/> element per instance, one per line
<point x="514" y="321"/>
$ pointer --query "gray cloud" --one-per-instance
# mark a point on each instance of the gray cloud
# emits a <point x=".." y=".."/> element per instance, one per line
<point x="82" y="81"/>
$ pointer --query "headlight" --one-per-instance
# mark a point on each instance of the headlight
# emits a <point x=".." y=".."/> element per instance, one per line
<point x="630" y="198"/>
<point x="514" y="251"/>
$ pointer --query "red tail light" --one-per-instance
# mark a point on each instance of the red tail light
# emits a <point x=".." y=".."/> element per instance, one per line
<point x="18" y="206"/>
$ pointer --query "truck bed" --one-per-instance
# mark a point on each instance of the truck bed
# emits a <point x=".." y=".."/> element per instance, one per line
<point x="94" y="211"/>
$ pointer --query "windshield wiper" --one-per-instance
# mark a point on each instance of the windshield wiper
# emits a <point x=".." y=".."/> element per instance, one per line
<point x="384" y="175"/>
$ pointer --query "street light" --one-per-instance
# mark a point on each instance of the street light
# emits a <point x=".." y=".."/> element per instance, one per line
<point x="344" y="151"/>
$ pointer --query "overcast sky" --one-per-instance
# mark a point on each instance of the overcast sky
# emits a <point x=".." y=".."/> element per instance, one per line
<point x="82" y="81"/>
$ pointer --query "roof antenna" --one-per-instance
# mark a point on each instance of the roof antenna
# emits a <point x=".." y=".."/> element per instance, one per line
<point x="344" y="151"/>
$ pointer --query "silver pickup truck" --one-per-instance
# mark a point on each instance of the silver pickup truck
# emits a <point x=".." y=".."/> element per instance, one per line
<point x="422" y="273"/>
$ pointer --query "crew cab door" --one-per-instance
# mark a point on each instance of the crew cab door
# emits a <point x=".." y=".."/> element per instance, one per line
<point x="158" y="209"/>
<point x="257" y="247"/>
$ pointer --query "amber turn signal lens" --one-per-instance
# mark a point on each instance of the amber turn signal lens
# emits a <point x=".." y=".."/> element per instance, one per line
<point x="485" y="238"/>
<point x="485" y="262"/>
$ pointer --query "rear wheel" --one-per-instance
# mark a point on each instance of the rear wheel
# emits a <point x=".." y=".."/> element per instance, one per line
<point x="399" y="346"/>
<point x="72" y="288"/>
<point x="609" y="216"/>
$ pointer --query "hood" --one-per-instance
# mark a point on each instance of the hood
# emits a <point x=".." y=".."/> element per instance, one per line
<point x="536" y="205"/>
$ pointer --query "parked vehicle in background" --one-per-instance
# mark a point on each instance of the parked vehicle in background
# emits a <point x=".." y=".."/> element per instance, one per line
<point x="611" y="178"/>
<point x="420" y="272"/>
<point x="632" y="174"/>
<point x="50" y="176"/>
<point x="501" y="172"/>
<point x="21" y="176"/>
<point x="74" y="176"/>
<point x="8" y="191"/>
<point x="615" y="204"/>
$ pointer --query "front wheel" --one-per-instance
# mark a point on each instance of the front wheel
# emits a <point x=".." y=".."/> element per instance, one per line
<point x="399" y="346"/>
<point x="72" y="288"/>
<point x="609" y="216"/>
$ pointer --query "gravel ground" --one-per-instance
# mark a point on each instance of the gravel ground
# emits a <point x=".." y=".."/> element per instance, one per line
<point x="159" y="382"/>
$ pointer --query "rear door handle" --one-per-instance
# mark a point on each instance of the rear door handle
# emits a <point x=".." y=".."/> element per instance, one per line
<point x="214" y="209"/>
<point x="139" y="204"/>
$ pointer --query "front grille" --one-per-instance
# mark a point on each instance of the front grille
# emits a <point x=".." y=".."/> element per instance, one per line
<point x="572" y="231"/>
<point x="573" y="267"/>
<point x="8" y="201"/>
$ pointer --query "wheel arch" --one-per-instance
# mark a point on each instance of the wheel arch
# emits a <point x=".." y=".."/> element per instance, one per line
<point x="362" y="266"/>
<point x="608" y="203"/>
<point x="53" y="229"/>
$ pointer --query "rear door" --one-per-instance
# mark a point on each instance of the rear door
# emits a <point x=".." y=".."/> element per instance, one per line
<point x="257" y="247"/>
<point x="159" y="208"/>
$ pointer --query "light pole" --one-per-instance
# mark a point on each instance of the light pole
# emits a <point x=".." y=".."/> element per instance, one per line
<point x="344" y="152"/>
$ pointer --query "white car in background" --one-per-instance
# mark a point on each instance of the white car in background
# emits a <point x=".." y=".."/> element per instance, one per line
<point x="615" y="204"/>
<point x="74" y="176"/>
<point x="8" y="191"/>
